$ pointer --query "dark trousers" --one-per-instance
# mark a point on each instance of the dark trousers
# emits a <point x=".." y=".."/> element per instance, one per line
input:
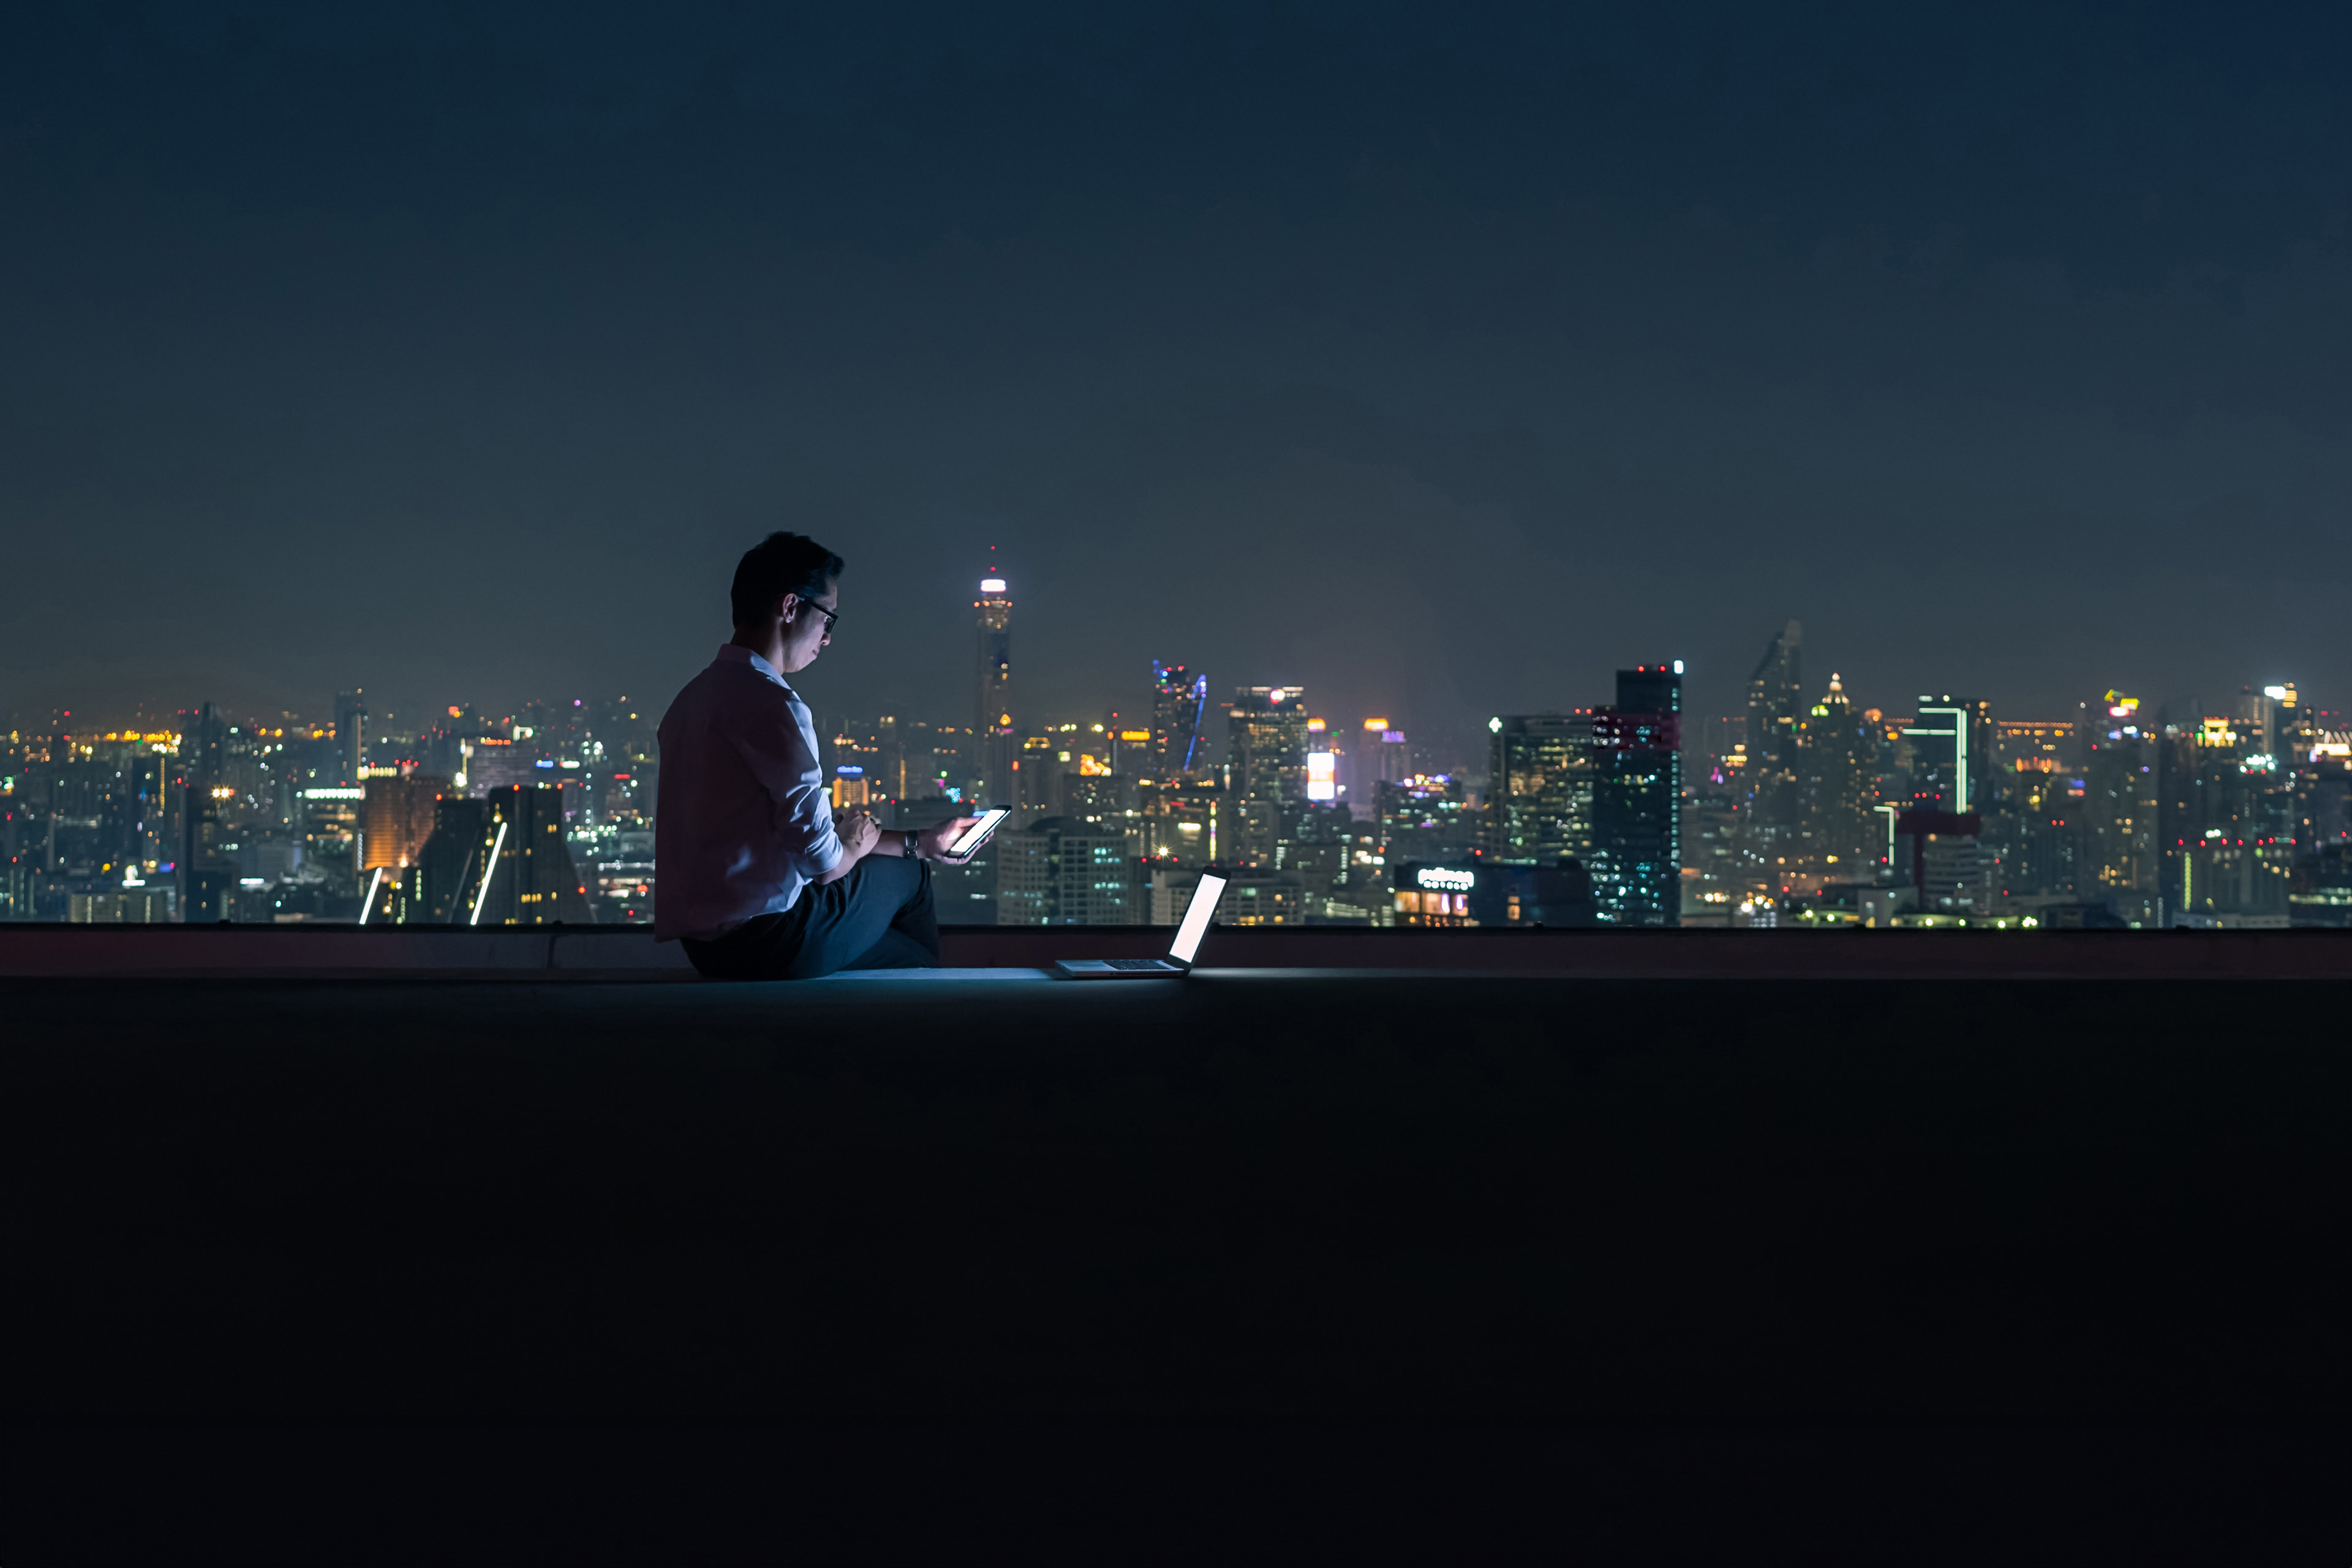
<point x="877" y="917"/>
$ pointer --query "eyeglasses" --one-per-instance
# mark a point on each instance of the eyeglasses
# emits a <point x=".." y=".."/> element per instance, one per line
<point x="830" y="616"/>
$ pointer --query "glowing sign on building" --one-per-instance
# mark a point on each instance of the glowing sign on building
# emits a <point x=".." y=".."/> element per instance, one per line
<point x="1321" y="776"/>
<point x="1440" y="879"/>
<point x="991" y="585"/>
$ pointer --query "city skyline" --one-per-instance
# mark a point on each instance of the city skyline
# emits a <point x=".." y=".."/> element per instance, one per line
<point x="1633" y="812"/>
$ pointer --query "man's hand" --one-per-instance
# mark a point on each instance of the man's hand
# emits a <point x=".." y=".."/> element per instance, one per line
<point x="931" y="843"/>
<point x="858" y="833"/>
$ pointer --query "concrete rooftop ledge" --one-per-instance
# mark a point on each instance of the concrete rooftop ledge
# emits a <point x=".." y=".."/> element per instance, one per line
<point x="590" y="953"/>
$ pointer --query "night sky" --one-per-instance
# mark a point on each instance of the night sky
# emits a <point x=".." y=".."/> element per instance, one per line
<point x="1441" y="360"/>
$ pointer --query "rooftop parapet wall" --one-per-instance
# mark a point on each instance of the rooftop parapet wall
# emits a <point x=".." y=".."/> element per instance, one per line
<point x="32" y="951"/>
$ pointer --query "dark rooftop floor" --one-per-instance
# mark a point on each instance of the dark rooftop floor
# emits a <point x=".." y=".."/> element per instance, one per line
<point x="1381" y="1235"/>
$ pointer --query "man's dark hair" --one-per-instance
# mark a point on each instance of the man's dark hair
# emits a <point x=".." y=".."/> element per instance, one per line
<point x="779" y="564"/>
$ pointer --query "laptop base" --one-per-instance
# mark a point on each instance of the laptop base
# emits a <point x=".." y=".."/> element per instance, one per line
<point x="1117" y="969"/>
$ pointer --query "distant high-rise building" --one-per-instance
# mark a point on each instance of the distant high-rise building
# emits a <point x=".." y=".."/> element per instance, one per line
<point x="1266" y="742"/>
<point x="1184" y="824"/>
<point x="1539" y="787"/>
<point x="2121" y="861"/>
<point x="327" y="817"/>
<point x="852" y="787"/>
<point x="396" y="818"/>
<point x="2042" y="854"/>
<point x="994" y="712"/>
<point x="350" y="734"/>
<point x="2225" y="820"/>
<point x="1179" y="701"/>
<point x="533" y="881"/>
<point x="1058" y="871"/>
<point x="1938" y="854"/>
<point x="1637" y="799"/>
<point x="1952" y="751"/>
<point x="2321" y="892"/>
<point x="1774" y="770"/>
<point x="1841" y="786"/>
<point x="206" y="874"/>
<point x="2323" y="790"/>
<point x="1381" y="757"/>
<point x="1034" y="782"/>
<point x="1424" y="818"/>
<point x="2033" y="745"/>
<point x="1267" y="746"/>
<point x="438" y="886"/>
<point x="1711" y="849"/>
<point x="499" y="860"/>
<point x="2266" y="719"/>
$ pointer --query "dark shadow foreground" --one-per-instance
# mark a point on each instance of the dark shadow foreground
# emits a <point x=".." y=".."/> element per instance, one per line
<point x="1282" y="1266"/>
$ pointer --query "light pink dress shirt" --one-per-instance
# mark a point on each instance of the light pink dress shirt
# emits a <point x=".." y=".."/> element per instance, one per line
<point x="744" y="821"/>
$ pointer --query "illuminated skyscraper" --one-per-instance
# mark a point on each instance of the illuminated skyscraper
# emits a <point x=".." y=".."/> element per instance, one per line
<point x="1058" y="871"/>
<point x="1184" y="824"/>
<point x="500" y="861"/>
<point x="206" y="875"/>
<point x="1774" y="770"/>
<point x="1952" y="755"/>
<point x="1425" y="817"/>
<point x="2121" y="855"/>
<point x="1267" y="746"/>
<point x="1637" y="799"/>
<point x="396" y="818"/>
<point x="1540" y="776"/>
<point x="1266" y="740"/>
<point x="440" y="882"/>
<point x="1381" y="757"/>
<point x="1179" y="699"/>
<point x="350" y="734"/>
<point x="993" y="707"/>
<point x="2225" y="822"/>
<point x="1841" y="786"/>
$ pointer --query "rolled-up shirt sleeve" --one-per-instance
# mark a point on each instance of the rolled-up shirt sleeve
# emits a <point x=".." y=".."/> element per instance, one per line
<point x="784" y="758"/>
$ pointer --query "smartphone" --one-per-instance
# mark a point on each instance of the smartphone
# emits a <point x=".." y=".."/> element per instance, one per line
<point x="977" y="834"/>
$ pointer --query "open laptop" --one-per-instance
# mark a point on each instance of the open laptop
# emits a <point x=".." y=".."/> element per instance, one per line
<point x="1179" y="961"/>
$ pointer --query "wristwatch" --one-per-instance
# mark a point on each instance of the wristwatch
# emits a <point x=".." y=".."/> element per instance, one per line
<point x="907" y="841"/>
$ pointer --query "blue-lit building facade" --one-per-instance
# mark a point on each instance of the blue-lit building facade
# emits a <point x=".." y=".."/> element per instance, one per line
<point x="1637" y="786"/>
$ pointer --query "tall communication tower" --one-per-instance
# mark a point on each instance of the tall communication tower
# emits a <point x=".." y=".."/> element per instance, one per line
<point x="992" y="710"/>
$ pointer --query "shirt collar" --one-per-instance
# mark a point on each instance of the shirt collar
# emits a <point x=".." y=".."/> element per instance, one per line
<point x="736" y="653"/>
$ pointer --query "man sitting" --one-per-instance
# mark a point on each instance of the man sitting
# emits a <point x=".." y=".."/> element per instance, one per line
<point x="760" y="877"/>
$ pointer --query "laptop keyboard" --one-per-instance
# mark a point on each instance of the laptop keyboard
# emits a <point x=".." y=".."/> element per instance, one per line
<point x="1136" y="963"/>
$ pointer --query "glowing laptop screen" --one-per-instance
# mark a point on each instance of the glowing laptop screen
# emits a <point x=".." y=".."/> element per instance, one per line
<point x="1196" y="919"/>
